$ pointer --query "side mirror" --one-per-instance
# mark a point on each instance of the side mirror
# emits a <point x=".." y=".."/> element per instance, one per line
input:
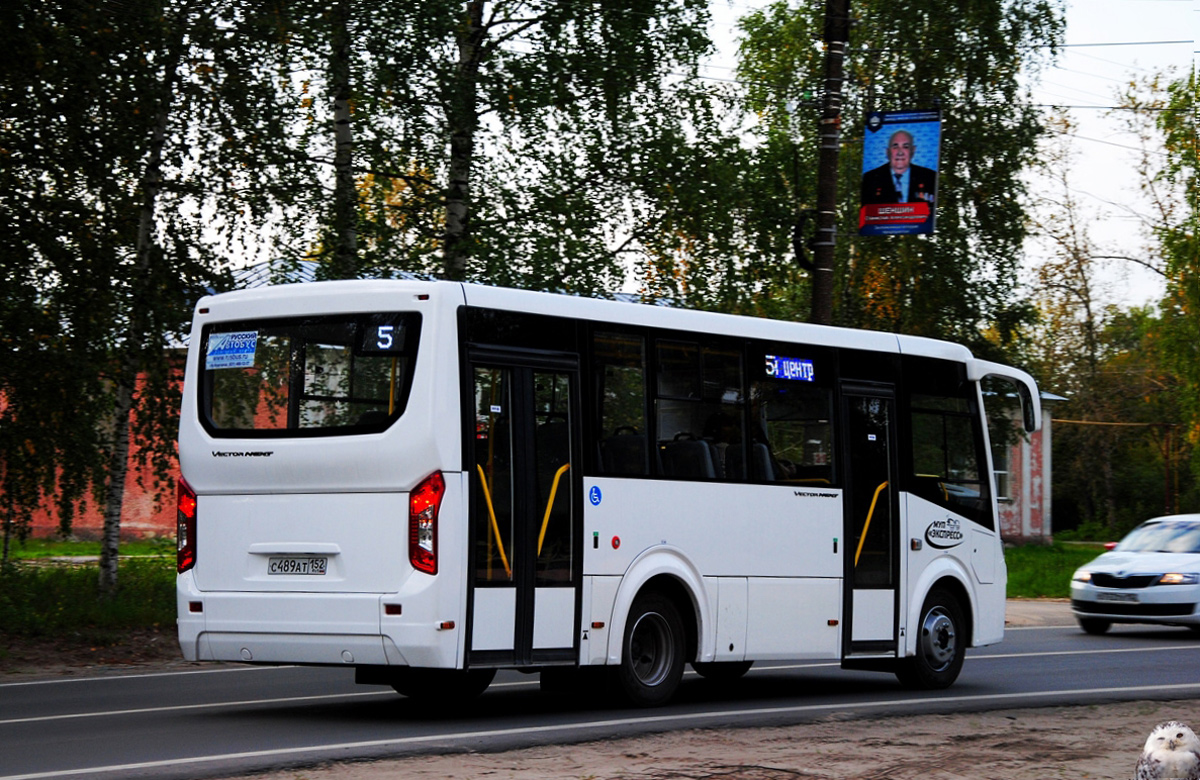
<point x="1028" y="417"/>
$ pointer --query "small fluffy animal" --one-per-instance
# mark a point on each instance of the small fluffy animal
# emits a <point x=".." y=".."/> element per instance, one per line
<point x="1172" y="751"/>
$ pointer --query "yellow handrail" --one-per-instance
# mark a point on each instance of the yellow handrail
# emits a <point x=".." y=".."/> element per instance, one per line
<point x="487" y="494"/>
<point x="550" y="505"/>
<point x="867" y="525"/>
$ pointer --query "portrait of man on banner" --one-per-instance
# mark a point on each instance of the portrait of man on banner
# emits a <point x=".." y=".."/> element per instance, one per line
<point x="899" y="195"/>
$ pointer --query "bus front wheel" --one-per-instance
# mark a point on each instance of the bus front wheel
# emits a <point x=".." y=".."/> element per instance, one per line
<point x="651" y="652"/>
<point x="941" y="644"/>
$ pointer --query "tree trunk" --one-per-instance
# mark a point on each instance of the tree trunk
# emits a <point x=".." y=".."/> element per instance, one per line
<point x="829" y="130"/>
<point x="135" y="341"/>
<point x="345" y="194"/>
<point x="117" y="471"/>
<point x="462" y="117"/>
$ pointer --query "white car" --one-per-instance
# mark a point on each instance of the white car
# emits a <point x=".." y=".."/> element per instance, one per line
<point x="1150" y="576"/>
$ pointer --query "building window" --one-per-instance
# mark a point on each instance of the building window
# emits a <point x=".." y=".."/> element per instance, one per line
<point x="1000" y="469"/>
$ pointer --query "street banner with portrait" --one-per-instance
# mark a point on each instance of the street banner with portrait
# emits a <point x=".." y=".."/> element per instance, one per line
<point x="899" y="173"/>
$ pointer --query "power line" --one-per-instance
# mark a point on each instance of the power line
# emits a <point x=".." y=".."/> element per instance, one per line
<point x="1122" y="43"/>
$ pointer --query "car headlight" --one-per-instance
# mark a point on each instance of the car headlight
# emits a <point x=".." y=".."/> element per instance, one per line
<point x="1176" y="578"/>
<point x="1083" y="575"/>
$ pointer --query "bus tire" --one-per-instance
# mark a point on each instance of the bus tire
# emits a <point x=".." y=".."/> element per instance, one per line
<point x="722" y="671"/>
<point x="449" y="686"/>
<point x="1095" y="626"/>
<point x="651" y="652"/>
<point x="941" y="644"/>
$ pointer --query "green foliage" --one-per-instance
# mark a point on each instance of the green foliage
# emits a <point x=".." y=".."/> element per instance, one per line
<point x="507" y="141"/>
<point x="119" y="175"/>
<point x="961" y="283"/>
<point x="1178" y="233"/>
<point x="1044" y="571"/>
<point x="1114" y="476"/>
<point x="50" y="601"/>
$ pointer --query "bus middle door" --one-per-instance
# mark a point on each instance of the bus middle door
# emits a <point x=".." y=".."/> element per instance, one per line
<point x="872" y="521"/>
<point x="524" y="602"/>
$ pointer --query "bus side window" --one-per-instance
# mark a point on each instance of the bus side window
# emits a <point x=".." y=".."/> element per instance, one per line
<point x="699" y="411"/>
<point x="791" y="433"/>
<point x="620" y="361"/>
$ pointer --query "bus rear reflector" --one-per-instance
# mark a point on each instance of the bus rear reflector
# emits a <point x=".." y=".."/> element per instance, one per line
<point x="185" y="532"/>
<point x="423" y="505"/>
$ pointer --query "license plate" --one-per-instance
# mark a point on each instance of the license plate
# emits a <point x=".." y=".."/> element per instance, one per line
<point x="297" y="564"/>
<point x="1126" y="598"/>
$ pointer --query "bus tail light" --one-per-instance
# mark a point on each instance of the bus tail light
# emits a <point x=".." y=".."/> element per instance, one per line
<point x="185" y="533"/>
<point x="423" y="505"/>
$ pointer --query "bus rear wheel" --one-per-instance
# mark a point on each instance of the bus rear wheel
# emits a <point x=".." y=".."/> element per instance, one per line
<point x="651" y="652"/>
<point x="941" y="644"/>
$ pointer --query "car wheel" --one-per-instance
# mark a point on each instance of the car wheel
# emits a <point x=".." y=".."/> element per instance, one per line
<point x="1095" y="626"/>
<point x="941" y="644"/>
<point x="651" y="652"/>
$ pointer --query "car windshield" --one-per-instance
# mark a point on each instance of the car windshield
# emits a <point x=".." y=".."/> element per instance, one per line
<point x="1163" y="537"/>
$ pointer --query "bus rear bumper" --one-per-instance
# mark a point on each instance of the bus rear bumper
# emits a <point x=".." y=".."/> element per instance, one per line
<point x="342" y="629"/>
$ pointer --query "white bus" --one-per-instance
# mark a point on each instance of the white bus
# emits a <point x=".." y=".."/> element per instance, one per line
<point x="430" y="481"/>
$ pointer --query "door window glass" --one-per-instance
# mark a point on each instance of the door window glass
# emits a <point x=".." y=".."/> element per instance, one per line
<point x="494" y="473"/>
<point x="552" y="460"/>
<point x="872" y="489"/>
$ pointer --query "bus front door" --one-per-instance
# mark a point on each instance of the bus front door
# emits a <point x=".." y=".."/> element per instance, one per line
<point x="872" y="522"/>
<point x="524" y="595"/>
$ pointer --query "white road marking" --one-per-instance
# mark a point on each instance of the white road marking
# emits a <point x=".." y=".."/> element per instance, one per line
<point x="646" y="720"/>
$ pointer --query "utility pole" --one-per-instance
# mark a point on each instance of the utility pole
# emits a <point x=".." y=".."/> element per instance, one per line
<point x="829" y="135"/>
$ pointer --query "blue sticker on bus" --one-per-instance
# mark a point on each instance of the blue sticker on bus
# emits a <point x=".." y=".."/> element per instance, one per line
<point x="231" y="350"/>
<point x="798" y="369"/>
<point x="594" y="495"/>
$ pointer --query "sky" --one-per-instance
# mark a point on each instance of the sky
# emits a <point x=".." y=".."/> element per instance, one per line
<point x="1107" y="43"/>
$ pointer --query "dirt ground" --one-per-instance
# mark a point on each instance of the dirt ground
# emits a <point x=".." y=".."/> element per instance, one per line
<point x="1060" y="742"/>
<point x="1101" y="741"/>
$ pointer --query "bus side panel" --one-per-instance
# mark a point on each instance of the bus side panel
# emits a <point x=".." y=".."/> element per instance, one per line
<point x="788" y="537"/>
<point x="726" y="529"/>
<point x="952" y="546"/>
<point x="732" y="605"/>
<point x="794" y="617"/>
<point x="603" y="596"/>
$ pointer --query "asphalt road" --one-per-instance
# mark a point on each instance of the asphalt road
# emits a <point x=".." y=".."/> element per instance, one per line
<point x="228" y="719"/>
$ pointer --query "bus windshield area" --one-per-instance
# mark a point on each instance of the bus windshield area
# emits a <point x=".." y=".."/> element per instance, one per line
<point x="333" y="374"/>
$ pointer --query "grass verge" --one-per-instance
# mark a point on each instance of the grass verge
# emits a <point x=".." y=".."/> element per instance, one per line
<point x="64" y="601"/>
<point x="1044" y="571"/>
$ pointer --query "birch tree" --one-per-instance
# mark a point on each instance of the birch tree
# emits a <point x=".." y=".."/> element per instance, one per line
<point x="127" y="167"/>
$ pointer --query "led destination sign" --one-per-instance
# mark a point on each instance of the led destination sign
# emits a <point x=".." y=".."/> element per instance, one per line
<point x="797" y="369"/>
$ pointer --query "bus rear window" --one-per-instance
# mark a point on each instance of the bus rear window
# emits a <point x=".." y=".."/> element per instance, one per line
<point x="309" y="376"/>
